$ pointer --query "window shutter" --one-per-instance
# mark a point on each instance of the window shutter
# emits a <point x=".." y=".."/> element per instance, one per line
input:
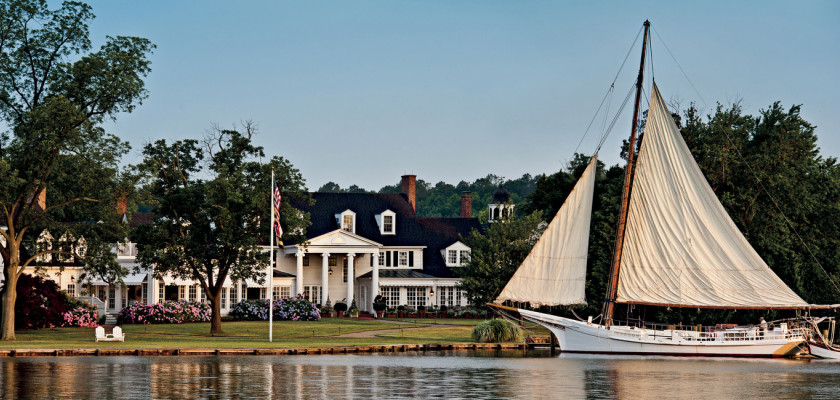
<point x="410" y="258"/>
<point x="387" y="258"/>
<point x="396" y="255"/>
<point x="371" y="260"/>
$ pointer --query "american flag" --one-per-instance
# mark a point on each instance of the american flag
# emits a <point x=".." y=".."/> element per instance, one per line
<point x="276" y="200"/>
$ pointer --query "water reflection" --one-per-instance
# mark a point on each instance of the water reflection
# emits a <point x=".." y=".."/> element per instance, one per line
<point x="446" y="374"/>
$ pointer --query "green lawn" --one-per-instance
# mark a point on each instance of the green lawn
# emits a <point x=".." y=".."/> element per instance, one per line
<point x="251" y="334"/>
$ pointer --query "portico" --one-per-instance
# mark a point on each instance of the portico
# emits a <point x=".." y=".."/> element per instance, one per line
<point x="343" y="257"/>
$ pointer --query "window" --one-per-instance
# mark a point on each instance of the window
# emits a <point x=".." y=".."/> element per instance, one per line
<point x="234" y="295"/>
<point x="202" y="295"/>
<point x="112" y="297"/>
<point x="465" y="257"/>
<point x="285" y="291"/>
<point x="381" y="259"/>
<point x="347" y="223"/>
<point x="275" y="292"/>
<point x="71" y="290"/>
<point x="312" y="293"/>
<point x="388" y="223"/>
<point x="306" y="260"/>
<point x="447" y="296"/>
<point x="344" y="270"/>
<point x="224" y="297"/>
<point x="263" y="293"/>
<point x="452" y="256"/>
<point x="192" y="293"/>
<point x="124" y="294"/>
<point x="161" y="290"/>
<point x="403" y="258"/>
<point x="333" y="261"/>
<point x="391" y="296"/>
<point x="415" y="296"/>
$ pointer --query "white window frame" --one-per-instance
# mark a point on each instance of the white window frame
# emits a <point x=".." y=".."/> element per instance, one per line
<point x="285" y="291"/>
<point x="71" y="289"/>
<point x="381" y="221"/>
<point x="461" y="254"/>
<point x="402" y="259"/>
<point x="340" y="218"/>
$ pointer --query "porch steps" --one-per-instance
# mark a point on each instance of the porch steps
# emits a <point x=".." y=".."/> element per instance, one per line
<point x="110" y="319"/>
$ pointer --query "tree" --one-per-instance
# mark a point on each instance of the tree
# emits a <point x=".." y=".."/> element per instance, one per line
<point x="496" y="254"/>
<point x="214" y="229"/>
<point x="54" y="102"/>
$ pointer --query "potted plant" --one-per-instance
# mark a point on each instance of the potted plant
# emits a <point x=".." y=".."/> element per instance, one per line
<point x="379" y="308"/>
<point x="421" y="311"/>
<point x="401" y="311"/>
<point x="444" y="311"/>
<point x="340" y="308"/>
<point x="353" y="310"/>
<point x="327" y="310"/>
<point x="391" y="313"/>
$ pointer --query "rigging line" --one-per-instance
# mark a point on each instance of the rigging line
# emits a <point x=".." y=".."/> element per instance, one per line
<point x="615" y="119"/>
<point x="594" y="117"/>
<point x="612" y="86"/>
<point x="681" y="69"/>
<point x="752" y="171"/>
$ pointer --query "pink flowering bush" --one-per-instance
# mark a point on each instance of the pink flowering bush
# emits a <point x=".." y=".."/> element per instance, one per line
<point x="287" y="309"/>
<point x="168" y="312"/>
<point x="82" y="317"/>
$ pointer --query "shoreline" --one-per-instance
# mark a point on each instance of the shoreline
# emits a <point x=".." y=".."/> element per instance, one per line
<point x="383" y="348"/>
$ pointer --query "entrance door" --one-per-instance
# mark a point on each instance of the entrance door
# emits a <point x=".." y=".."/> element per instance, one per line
<point x="363" y="298"/>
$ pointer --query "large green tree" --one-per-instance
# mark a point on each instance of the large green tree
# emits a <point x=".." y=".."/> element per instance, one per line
<point x="54" y="94"/>
<point x="496" y="254"/>
<point x="211" y="201"/>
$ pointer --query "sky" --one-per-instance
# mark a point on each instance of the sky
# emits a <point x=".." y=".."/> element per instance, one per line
<point x="362" y="92"/>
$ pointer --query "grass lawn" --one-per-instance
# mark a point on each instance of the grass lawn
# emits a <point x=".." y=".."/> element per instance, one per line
<point x="252" y="334"/>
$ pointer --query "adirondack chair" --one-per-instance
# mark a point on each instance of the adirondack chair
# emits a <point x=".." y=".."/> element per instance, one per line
<point x="115" y="336"/>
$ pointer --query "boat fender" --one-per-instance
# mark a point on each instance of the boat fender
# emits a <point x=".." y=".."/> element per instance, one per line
<point x="589" y="320"/>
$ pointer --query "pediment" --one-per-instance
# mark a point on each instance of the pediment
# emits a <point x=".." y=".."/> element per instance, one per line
<point x="342" y="238"/>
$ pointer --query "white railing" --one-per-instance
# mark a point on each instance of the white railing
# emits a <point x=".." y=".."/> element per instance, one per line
<point x="127" y="250"/>
<point x="789" y="329"/>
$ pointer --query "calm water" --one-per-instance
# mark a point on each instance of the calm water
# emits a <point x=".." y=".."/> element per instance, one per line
<point x="490" y="375"/>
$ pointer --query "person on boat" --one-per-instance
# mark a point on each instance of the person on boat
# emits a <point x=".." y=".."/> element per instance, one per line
<point x="763" y="324"/>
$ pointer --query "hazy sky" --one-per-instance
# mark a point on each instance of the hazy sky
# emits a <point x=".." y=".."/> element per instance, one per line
<point x="361" y="92"/>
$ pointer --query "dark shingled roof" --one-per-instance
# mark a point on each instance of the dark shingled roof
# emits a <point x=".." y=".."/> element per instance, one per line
<point x="281" y="274"/>
<point x="434" y="233"/>
<point x="140" y="218"/>
<point x="501" y="196"/>
<point x="366" y="206"/>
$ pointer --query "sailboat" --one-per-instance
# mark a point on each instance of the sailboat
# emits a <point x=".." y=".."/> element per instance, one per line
<point x="676" y="247"/>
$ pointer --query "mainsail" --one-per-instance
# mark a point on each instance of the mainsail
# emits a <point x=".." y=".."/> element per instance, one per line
<point x="554" y="272"/>
<point x="680" y="246"/>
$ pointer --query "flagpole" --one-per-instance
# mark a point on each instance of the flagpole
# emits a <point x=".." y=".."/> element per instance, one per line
<point x="271" y="267"/>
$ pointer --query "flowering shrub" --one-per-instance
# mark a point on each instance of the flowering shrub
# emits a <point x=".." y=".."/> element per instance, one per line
<point x="168" y="312"/>
<point x="81" y="316"/>
<point x="287" y="309"/>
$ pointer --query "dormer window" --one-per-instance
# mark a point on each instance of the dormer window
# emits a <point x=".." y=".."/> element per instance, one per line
<point x="347" y="221"/>
<point x="387" y="222"/>
<point x="456" y="255"/>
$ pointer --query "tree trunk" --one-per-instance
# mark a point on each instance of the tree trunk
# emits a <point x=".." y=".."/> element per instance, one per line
<point x="7" y="324"/>
<point x="216" y="314"/>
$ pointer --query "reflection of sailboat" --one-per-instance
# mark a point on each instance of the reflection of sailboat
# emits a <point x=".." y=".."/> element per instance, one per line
<point x="676" y="247"/>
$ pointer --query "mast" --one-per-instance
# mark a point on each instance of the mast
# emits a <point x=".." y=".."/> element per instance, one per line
<point x="612" y="288"/>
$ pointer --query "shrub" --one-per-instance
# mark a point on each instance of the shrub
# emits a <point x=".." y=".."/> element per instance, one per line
<point x="379" y="306"/>
<point x="40" y="303"/>
<point x="497" y="330"/>
<point x="168" y="312"/>
<point x="288" y="309"/>
<point x="81" y="316"/>
<point x="340" y="306"/>
<point x="421" y="308"/>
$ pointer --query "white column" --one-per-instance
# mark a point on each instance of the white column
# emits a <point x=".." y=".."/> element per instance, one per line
<point x="374" y="278"/>
<point x="325" y="277"/>
<point x="117" y="297"/>
<point x="299" y="274"/>
<point x="151" y="293"/>
<point x="350" y="278"/>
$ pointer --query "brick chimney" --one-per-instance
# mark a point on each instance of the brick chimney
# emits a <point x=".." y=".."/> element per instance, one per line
<point x="122" y="204"/>
<point x="409" y="187"/>
<point x="42" y="199"/>
<point x="466" y="205"/>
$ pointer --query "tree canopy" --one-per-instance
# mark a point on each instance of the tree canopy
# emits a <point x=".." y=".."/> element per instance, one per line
<point x="211" y="201"/>
<point x="54" y="95"/>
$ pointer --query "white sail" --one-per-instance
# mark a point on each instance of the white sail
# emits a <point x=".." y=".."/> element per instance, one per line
<point x="554" y="272"/>
<point x="680" y="246"/>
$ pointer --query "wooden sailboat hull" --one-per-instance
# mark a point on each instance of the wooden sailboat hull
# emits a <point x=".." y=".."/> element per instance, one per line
<point x="822" y="351"/>
<point x="583" y="337"/>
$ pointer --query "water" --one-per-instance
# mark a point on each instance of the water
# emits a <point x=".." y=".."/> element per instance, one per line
<point x="452" y="374"/>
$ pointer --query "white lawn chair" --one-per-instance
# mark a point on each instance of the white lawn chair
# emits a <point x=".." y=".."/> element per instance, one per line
<point x="115" y="336"/>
